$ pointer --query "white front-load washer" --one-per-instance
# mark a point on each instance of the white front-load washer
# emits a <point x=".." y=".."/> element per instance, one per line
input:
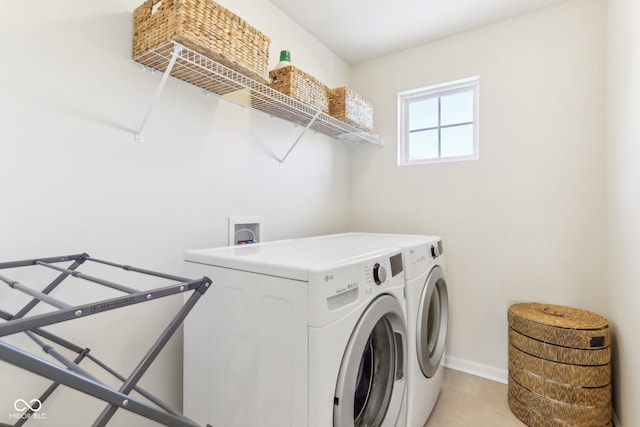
<point x="297" y="333"/>
<point x="427" y="314"/>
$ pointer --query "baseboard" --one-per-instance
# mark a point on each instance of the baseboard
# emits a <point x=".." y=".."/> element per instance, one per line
<point x="477" y="369"/>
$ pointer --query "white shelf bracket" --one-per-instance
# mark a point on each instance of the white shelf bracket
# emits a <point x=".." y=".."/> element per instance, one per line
<point x="177" y="48"/>
<point x="299" y="137"/>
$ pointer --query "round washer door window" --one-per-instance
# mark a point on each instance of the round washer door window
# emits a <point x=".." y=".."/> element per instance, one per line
<point x="433" y="314"/>
<point x="371" y="382"/>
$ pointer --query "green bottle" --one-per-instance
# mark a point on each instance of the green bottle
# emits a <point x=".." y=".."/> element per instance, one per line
<point x="285" y="59"/>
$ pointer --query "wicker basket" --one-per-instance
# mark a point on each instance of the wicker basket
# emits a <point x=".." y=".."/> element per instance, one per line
<point x="301" y="86"/>
<point x="205" y="27"/>
<point x="559" y="366"/>
<point x="350" y="107"/>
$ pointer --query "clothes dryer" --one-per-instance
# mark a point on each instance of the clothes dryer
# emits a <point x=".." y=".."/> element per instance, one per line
<point x="427" y="313"/>
<point x="297" y="333"/>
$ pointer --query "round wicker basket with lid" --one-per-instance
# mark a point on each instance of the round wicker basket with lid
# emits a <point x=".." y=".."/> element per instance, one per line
<point x="559" y="366"/>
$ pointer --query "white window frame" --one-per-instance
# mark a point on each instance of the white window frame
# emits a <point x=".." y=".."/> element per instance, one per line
<point x="437" y="91"/>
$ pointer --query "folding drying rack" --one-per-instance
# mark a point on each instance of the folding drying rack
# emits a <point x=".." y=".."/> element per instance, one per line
<point x="72" y="375"/>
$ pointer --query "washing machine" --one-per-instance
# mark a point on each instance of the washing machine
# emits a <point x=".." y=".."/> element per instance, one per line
<point x="297" y="333"/>
<point x="427" y="314"/>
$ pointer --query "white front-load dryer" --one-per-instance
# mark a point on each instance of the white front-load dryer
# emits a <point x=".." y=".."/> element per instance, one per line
<point x="297" y="333"/>
<point x="427" y="314"/>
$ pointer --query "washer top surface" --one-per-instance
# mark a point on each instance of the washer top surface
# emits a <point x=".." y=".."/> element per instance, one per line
<point x="293" y="259"/>
<point x="398" y="240"/>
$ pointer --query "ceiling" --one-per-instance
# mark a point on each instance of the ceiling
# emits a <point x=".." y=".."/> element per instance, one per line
<point x="357" y="30"/>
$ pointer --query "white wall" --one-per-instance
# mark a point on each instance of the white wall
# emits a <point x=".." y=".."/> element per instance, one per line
<point x="74" y="180"/>
<point x="526" y="221"/>
<point x="623" y="203"/>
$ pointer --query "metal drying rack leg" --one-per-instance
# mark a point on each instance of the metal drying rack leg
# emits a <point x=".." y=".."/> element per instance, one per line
<point x="72" y="375"/>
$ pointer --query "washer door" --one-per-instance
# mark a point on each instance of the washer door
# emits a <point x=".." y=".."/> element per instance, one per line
<point x="433" y="314"/>
<point x="371" y="382"/>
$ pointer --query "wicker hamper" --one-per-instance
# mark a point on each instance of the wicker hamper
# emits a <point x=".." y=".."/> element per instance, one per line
<point x="351" y="107"/>
<point x="205" y="27"/>
<point x="559" y="366"/>
<point x="301" y="86"/>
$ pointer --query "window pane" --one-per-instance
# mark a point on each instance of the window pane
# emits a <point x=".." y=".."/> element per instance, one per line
<point x="423" y="114"/>
<point x="438" y="123"/>
<point x="423" y="145"/>
<point x="457" y="108"/>
<point x="457" y="141"/>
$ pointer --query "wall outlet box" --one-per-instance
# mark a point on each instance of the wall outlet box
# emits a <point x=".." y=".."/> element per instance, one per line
<point x="245" y="230"/>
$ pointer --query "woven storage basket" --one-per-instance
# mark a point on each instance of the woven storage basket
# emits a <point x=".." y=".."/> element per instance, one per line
<point x="351" y="107"/>
<point x="559" y="366"/>
<point x="301" y="86"/>
<point x="205" y="27"/>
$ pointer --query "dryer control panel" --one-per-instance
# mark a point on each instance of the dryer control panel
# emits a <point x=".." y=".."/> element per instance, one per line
<point x="421" y="258"/>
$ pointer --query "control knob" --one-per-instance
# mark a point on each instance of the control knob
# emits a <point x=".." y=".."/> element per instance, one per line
<point x="379" y="274"/>
<point x="434" y="252"/>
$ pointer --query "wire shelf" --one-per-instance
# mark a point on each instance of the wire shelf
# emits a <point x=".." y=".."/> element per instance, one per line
<point x="203" y="72"/>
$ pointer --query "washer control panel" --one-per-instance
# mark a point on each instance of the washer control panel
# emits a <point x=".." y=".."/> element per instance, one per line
<point x="381" y="272"/>
<point x="341" y="287"/>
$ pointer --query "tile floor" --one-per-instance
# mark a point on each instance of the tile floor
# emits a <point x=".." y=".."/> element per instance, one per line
<point x="470" y="401"/>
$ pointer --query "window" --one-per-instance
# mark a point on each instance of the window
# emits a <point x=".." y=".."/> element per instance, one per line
<point x="439" y="123"/>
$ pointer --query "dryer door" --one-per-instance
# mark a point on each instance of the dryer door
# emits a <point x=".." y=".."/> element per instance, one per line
<point x="431" y="330"/>
<point x="371" y="382"/>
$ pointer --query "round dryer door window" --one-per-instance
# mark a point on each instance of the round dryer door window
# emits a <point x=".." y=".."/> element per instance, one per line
<point x="370" y="385"/>
<point x="433" y="313"/>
